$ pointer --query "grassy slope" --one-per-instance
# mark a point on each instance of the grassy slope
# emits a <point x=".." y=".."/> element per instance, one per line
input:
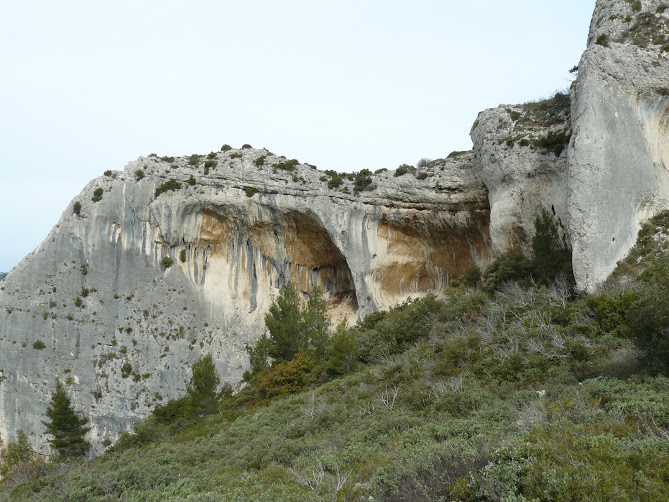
<point x="520" y="396"/>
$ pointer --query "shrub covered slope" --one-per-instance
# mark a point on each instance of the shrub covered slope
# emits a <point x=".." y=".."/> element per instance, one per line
<point x="508" y="388"/>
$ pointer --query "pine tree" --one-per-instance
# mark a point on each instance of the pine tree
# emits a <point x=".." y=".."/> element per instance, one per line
<point x="66" y="427"/>
<point x="19" y="452"/>
<point x="551" y="257"/>
<point x="202" y="390"/>
<point x="316" y="323"/>
<point x="284" y="324"/>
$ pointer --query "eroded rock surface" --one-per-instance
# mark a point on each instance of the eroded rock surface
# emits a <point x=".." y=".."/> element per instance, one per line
<point x="125" y="295"/>
<point x="521" y="149"/>
<point x="122" y="297"/>
<point x="619" y="154"/>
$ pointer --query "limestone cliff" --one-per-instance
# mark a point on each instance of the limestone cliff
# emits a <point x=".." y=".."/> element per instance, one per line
<point x="619" y="155"/>
<point x="521" y="151"/>
<point x="151" y="267"/>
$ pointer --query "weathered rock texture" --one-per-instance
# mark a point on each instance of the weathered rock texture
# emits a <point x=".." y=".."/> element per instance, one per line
<point x="619" y="154"/>
<point x="521" y="151"/>
<point x="121" y="298"/>
<point x="121" y="327"/>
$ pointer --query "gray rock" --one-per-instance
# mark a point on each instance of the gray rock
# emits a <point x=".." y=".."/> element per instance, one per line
<point x="122" y="329"/>
<point x="523" y="175"/>
<point x="124" y="296"/>
<point x="619" y="153"/>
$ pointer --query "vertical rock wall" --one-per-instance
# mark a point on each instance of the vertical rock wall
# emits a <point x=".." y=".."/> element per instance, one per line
<point x="619" y="155"/>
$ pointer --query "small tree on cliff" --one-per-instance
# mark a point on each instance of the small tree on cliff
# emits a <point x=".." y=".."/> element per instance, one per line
<point x="67" y="428"/>
<point x="202" y="390"/>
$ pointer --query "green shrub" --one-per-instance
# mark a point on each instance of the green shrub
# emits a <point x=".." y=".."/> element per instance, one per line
<point x="182" y="256"/>
<point x="422" y="176"/>
<point x="471" y="277"/>
<point x="511" y="266"/>
<point x="404" y="169"/>
<point x="107" y="173"/>
<point x="126" y="370"/>
<point x="363" y="181"/>
<point x="423" y="162"/>
<point x="287" y="377"/>
<point x="211" y="155"/>
<point x="235" y="155"/>
<point x="18" y="454"/>
<point x="250" y="191"/>
<point x="210" y="164"/>
<point x="194" y="160"/>
<point x="191" y="181"/>
<point x="171" y="185"/>
<point x="287" y="165"/>
<point x="260" y="160"/>
<point x="335" y="182"/>
<point x="167" y="262"/>
<point x="246" y="146"/>
<point x="554" y="142"/>
<point x="602" y="39"/>
<point x="547" y="112"/>
<point x="38" y="345"/>
<point x="139" y="174"/>
<point x="225" y="148"/>
<point x="77" y="208"/>
<point x="97" y="195"/>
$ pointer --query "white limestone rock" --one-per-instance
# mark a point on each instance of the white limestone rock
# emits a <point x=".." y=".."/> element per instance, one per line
<point x="523" y="177"/>
<point x="122" y="330"/>
<point x="619" y="153"/>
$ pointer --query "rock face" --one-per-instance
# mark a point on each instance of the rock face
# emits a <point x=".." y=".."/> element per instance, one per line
<point x="521" y="151"/>
<point x="619" y="154"/>
<point x="122" y="297"/>
<point x="152" y="267"/>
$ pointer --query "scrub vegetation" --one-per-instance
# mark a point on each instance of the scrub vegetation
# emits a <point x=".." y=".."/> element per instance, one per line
<point x="509" y="387"/>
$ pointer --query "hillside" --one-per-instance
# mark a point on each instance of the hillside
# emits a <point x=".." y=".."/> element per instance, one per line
<point x="151" y="267"/>
<point x="510" y="388"/>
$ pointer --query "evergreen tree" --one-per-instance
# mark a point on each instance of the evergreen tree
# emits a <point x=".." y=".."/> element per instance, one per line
<point x="66" y="427"/>
<point x="551" y="257"/>
<point x="293" y="326"/>
<point x="258" y="355"/>
<point x="284" y="323"/>
<point x="17" y="453"/>
<point x="315" y="324"/>
<point x="202" y="390"/>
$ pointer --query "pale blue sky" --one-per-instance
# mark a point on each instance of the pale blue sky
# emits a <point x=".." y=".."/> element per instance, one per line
<point x="87" y="86"/>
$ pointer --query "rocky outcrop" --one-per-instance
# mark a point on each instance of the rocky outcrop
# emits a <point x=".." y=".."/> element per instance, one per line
<point x="521" y="151"/>
<point x="151" y="267"/>
<point x="619" y="154"/>
<point x="175" y="257"/>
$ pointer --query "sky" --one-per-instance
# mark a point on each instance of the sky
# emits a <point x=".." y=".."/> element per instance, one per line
<point x="87" y="86"/>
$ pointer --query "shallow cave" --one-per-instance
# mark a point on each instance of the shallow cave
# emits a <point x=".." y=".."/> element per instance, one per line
<point x="315" y="260"/>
